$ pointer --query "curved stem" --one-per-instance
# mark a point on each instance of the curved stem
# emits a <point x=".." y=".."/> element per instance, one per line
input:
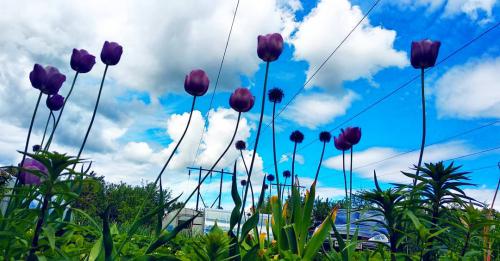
<point x="60" y="113"/>
<point x="93" y="116"/>
<point x="210" y="171"/>
<point x="38" y="228"/>
<point x="162" y="170"/>
<point x="350" y="180"/>
<point x="274" y="154"/>
<point x="293" y="164"/>
<point x="30" y="129"/>
<point x="249" y="181"/>
<point x="345" y="178"/>
<point x="45" y="130"/>
<point x="255" y="146"/>
<point x="283" y="190"/>
<point x="320" y="161"/>
<point x="422" y="145"/>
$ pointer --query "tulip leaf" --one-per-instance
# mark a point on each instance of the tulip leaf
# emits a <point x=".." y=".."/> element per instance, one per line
<point x="249" y="225"/>
<point x="235" y="214"/>
<point x="165" y="237"/>
<point x="317" y="239"/>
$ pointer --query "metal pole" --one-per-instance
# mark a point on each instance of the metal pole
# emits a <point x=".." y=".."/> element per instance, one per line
<point x="199" y="187"/>
<point x="220" y="187"/>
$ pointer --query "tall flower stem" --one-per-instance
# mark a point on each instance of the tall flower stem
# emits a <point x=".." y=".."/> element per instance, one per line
<point x="60" y="114"/>
<point x="346" y="196"/>
<point x="30" y="129"/>
<point x="209" y="172"/>
<point x="93" y="116"/>
<point x="45" y="130"/>
<point x="38" y="228"/>
<point x="162" y="170"/>
<point x="283" y="189"/>
<point x="350" y="198"/>
<point x="422" y="145"/>
<point x="249" y="182"/>
<point x="264" y="89"/>
<point x="320" y="161"/>
<point x="274" y="154"/>
<point x="293" y="164"/>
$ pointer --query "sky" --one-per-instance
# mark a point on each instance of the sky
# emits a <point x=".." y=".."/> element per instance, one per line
<point x="366" y="83"/>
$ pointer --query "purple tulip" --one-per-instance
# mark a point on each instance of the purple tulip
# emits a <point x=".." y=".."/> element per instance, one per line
<point x="55" y="102"/>
<point x="287" y="174"/>
<point x="352" y="135"/>
<point x="82" y="61"/>
<point x="297" y="136"/>
<point x="243" y="182"/>
<point x="341" y="143"/>
<point x="269" y="47"/>
<point x="28" y="178"/>
<point x="424" y="53"/>
<point x="325" y="136"/>
<point x="196" y="83"/>
<point x="48" y="80"/>
<point x="241" y="100"/>
<point x="270" y="177"/>
<point x="240" y="145"/>
<point x="275" y="95"/>
<point x="111" y="53"/>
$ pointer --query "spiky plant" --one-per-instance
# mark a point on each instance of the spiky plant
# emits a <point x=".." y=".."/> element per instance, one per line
<point x="389" y="205"/>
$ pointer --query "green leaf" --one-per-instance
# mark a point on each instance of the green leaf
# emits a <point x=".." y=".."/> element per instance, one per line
<point x="306" y="216"/>
<point x="50" y="233"/>
<point x="318" y="237"/>
<point x="235" y="214"/>
<point x="96" y="251"/>
<point x="251" y="255"/>
<point x="249" y="225"/>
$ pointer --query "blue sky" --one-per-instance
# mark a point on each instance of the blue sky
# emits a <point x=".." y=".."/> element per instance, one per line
<point x="144" y="106"/>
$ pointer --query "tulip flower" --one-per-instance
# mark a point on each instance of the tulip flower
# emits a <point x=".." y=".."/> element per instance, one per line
<point x="352" y="135"/>
<point x="240" y="145"/>
<point x="196" y="83"/>
<point x="55" y="102"/>
<point x="48" y="80"/>
<point x="325" y="137"/>
<point x="269" y="47"/>
<point x="81" y="61"/>
<point x="423" y="55"/>
<point x="111" y="53"/>
<point x="241" y="100"/>
<point x="28" y="178"/>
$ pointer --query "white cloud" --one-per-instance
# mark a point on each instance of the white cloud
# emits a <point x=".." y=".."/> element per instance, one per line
<point x="470" y="90"/>
<point x="288" y="157"/>
<point x="390" y="170"/>
<point x="368" y="50"/>
<point x="319" y="109"/>
<point x="483" y="195"/>
<point x="476" y="10"/>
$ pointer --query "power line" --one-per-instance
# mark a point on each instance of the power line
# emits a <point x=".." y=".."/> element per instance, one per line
<point x="430" y="144"/>
<point x="407" y="83"/>
<point x="323" y="63"/>
<point x="216" y="82"/>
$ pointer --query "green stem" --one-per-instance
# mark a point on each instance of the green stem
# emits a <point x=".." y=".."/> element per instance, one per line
<point x="45" y="130"/>
<point x="293" y="164"/>
<point x="60" y="113"/>
<point x="38" y="228"/>
<point x="30" y="129"/>
<point x="422" y="145"/>
<point x="320" y="161"/>
<point x="255" y="146"/>
<point x="93" y="116"/>
<point x="274" y="154"/>
<point x="248" y="181"/>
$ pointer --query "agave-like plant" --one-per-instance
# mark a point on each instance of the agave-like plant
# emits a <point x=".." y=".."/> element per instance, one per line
<point x="389" y="205"/>
<point x="440" y="186"/>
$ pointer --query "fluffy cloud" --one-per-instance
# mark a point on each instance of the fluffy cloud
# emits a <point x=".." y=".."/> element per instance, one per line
<point x="483" y="195"/>
<point x="318" y="109"/>
<point x="390" y="170"/>
<point x="476" y="10"/>
<point x="325" y="27"/>
<point x="470" y="90"/>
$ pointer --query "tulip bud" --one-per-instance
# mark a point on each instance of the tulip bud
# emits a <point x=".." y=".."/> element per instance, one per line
<point x="28" y="178"/>
<point x="424" y="53"/>
<point x="55" y="102"/>
<point x="82" y="61"/>
<point x="242" y="100"/>
<point x="269" y="47"/>
<point x="196" y="83"/>
<point x="111" y="53"/>
<point x="352" y="135"/>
